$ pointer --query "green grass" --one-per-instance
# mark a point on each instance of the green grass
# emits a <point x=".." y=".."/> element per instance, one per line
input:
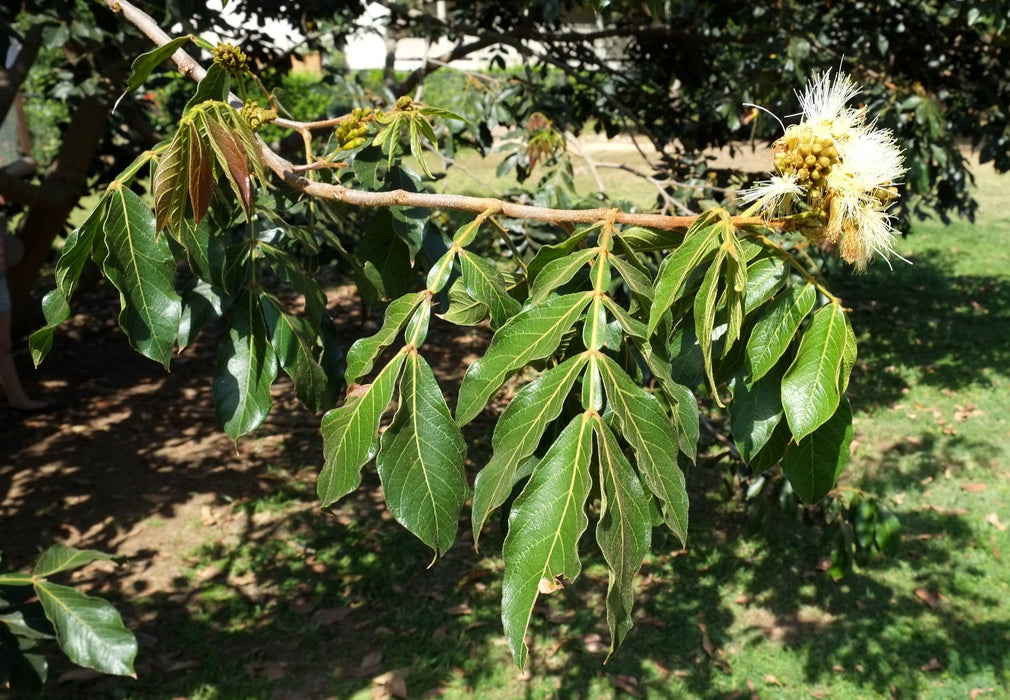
<point x="744" y="607"/>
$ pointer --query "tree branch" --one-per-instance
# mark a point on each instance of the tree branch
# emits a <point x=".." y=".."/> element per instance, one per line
<point x="290" y="174"/>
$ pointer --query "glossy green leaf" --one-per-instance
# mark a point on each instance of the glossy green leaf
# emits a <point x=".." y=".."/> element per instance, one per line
<point x="755" y="412"/>
<point x="774" y="331"/>
<point x="685" y="414"/>
<point x="814" y="464"/>
<point x="555" y="251"/>
<point x="351" y="433"/>
<point x="77" y="249"/>
<point x="624" y="531"/>
<point x="736" y="288"/>
<point x="765" y="277"/>
<point x="463" y="309"/>
<point x="385" y="259"/>
<point x="559" y="272"/>
<point x="147" y="62"/>
<point x="637" y="280"/>
<point x="704" y="314"/>
<point x="56" y="311"/>
<point x="699" y="243"/>
<point x="297" y="350"/>
<point x="545" y="525"/>
<point x="246" y="368"/>
<point x="849" y="354"/>
<point x="647" y="239"/>
<point x="485" y="283"/>
<point x="420" y="460"/>
<point x="213" y="87"/>
<point x="533" y="334"/>
<point x="517" y="434"/>
<point x="88" y="630"/>
<point x="59" y="558"/>
<point x="202" y="304"/>
<point x="649" y="431"/>
<point x="142" y="268"/>
<point x="365" y="351"/>
<point x="810" y="386"/>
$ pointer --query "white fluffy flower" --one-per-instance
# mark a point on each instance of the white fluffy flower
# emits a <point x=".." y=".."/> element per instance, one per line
<point x="835" y="164"/>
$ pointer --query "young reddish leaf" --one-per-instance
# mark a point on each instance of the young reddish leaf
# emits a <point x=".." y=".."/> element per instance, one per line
<point x="169" y="183"/>
<point x="232" y="158"/>
<point x="201" y="176"/>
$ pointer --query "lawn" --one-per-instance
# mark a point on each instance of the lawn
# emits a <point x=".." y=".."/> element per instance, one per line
<point x="262" y="596"/>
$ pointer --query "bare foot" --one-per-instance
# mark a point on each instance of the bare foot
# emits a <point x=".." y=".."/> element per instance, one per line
<point x="29" y="405"/>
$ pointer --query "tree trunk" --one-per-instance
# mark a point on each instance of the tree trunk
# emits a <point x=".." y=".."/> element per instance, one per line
<point x="66" y="181"/>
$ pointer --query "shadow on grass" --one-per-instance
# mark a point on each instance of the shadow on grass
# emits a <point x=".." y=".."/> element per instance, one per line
<point x="949" y="330"/>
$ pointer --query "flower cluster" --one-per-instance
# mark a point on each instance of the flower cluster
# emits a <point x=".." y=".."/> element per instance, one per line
<point x="256" y="116"/>
<point x="837" y="165"/>
<point x="231" y="58"/>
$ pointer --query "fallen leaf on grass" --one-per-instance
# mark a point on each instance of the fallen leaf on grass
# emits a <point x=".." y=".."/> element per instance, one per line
<point x="461" y="609"/>
<point x="973" y="488"/>
<point x="391" y="684"/>
<point x="329" y="616"/>
<point x="595" y="643"/>
<point x="629" y="684"/>
<point x="772" y="679"/>
<point x="994" y="520"/>
<point x="931" y="665"/>
<point x="370" y="663"/>
<point x="981" y="691"/>
<point x="271" y="670"/>
<point x="928" y="598"/>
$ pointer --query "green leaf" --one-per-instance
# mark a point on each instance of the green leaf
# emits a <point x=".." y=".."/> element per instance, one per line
<point x="365" y="351"/>
<point x="559" y="272"/>
<point x="637" y="280"/>
<point x="517" y="435"/>
<point x="297" y="350"/>
<point x="646" y="239"/>
<point x="773" y="332"/>
<point x="351" y="434"/>
<point x="686" y="418"/>
<point x="246" y="368"/>
<point x="549" y="253"/>
<point x="814" y="463"/>
<point x="887" y="534"/>
<point x="385" y="258"/>
<point x="56" y="310"/>
<point x="420" y="460"/>
<point x="704" y="315"/>
<point x="77" y="250"/>
<point x="463" y="310"/>
<point x="533" y="334"/>
<point x="700" y="242"/>
<point x="765" y="276"/>
<point x="624" y="531"/>
<point x="202" y="304"/>
<point x="147" y="62"/>
<point x="849" y="353"/>
<point x="60" y="558"/>
<point x="213" y="87"/>
<point x="142" y="268"/>
<point x="810" y="386"/>
<point x="545" y="525"/>
<point x="485" y="283"/>
<point x="755" y="412"/>
<point x="88" y="630"/>
<point x="649" y="431"/>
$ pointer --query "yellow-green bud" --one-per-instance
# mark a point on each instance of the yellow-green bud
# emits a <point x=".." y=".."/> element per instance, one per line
<point x="231" y="58"/>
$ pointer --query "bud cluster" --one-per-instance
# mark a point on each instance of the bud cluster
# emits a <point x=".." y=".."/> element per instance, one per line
<point x="231" y="58"/>
<point x="807" y="157"/>
<point x="353" y="131"/>
<point x="256" y="116"/>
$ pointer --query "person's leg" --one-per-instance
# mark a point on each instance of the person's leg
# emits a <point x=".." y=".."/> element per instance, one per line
<point x="9" y="379"/>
